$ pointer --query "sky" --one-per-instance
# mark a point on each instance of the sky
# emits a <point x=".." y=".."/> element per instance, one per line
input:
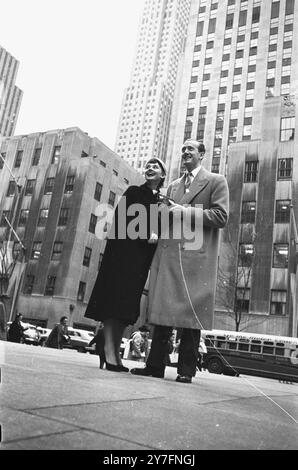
<point x="75" y="61"/>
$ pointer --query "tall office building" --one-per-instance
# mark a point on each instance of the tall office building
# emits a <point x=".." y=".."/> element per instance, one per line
<point x="63" y="176"/>
<point x="147" y="104"/>
<point x="237" y="53"/>
<point x="10" y="94"/>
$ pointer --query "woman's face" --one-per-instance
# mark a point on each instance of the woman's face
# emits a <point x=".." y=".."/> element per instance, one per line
<point x="153" y="172"/>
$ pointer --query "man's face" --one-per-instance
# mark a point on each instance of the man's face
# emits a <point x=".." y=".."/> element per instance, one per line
<point x="190" y="155"/>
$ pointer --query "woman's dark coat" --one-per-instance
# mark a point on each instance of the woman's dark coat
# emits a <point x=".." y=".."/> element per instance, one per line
<point x="124" y="268"/>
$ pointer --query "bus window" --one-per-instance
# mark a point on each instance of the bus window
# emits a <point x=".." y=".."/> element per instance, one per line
<point x="232" y="345"/>
<point x="279" y="351"/>
<point x="208" y="342"/>
<point x="255" y="348"/>
<point x="269" y="343"/>
<point x="267" y="350"/>
<point x="243" y="346"/>
<point x="221" y="344"/>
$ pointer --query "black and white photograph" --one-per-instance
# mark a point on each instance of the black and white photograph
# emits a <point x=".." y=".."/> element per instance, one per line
<point x="148" y="229"/>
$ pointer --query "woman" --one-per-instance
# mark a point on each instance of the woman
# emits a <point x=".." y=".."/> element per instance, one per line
<point x="117" y="292"/>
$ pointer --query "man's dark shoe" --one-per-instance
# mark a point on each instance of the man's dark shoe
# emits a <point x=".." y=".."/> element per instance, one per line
<point x="185" y="379"/>
<point x="148" y="372"/>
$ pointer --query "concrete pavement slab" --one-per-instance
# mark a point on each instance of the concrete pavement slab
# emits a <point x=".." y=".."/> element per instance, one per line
<point x="61" y="400"/>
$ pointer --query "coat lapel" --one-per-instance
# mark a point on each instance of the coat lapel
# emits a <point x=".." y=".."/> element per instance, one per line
<point x="198" y="184"/>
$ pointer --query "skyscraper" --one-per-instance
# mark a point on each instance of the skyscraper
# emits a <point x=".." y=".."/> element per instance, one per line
<point x="238" y="52"/>
<point x="10" y="94"/>
<point x="147" y="104"/>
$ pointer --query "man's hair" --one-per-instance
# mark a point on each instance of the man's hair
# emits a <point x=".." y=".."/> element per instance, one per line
<point x="63" y="318"/>
<point x="201" y="146"/>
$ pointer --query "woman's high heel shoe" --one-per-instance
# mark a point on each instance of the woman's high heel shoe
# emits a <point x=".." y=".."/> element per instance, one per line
<point x="117" y="368"/>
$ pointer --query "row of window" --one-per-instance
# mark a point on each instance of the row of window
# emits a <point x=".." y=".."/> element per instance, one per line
<point x="284" y="170"/>
<point x="56" y="252"/>
<point x="50" y="287"/>
<point x="278" y="301"/>
<point x="280" y="257"/>
<point x="36" y="157"/>
<point x="282" y="211"/>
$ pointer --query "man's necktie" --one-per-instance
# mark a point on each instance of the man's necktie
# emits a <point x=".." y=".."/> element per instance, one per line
<point x="187" y="182"/>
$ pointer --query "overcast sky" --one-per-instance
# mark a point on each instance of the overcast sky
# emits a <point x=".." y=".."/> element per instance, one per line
<point x="75" y="61"/>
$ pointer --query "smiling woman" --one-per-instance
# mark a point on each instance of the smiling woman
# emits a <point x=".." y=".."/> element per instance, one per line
<point x="117" y="292"/>
<point x="70" y="77"/>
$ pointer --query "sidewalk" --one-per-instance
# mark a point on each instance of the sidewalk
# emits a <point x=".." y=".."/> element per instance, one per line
<point x="53" y="399"/>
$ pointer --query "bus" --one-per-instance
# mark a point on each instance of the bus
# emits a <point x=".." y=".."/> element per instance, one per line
<point x="234" y="353"/>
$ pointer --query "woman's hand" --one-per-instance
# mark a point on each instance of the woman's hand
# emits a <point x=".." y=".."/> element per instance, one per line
<point x="153" y="238"/>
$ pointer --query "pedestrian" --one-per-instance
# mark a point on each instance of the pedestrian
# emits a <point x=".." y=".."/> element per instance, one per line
<point x="139" y="344"/>
<point x="99" y="341"/>
<point x="202" y="351"/>
<point x="183" y="281"/>
<point x="59" y="335"/>
<point x="120" y="282"/>
<point x="16" y="330"/>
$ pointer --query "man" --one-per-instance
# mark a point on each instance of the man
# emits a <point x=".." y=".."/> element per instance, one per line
<point x="59" y="335"/>
<point x="183" y="281"/>
<point x="16" y="330"/>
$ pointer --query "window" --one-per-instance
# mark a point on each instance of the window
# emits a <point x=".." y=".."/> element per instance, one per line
<point x="245" y="255"/>
<point x="251" y="172"/>
<point x="285" y="168"/>
<point x="278" y="302"/>
<point x="18" y="159"/>
<point x="239" y="53"/>
<point x="253" y="50"/>
<point x="36" y="156"/>
<point x="211" y="26"/>
<point x="28" y="288"/>
<point x="225" y="57"/>
<point x="280" y="255"/>
<point x="248" y="213"/>
<point x="196" y="63"/>
<point x="48" y="189"/>
<point x="210" y="45"/>
<point x="11" y="188"/>
<point x="69" y="184"/>
<point x="249" y="103"/>
<point x="50" y="285"/>
<point x="222" y="90"/>
<point x="57" y="251"/>
<point x="200" y="27"/>
<point x="98" y="190"/>
<point x="242" y="299"/>
<point x="43" y="217"/>
<point x="84" y="154"/>
<point x="81" y="291"/>
<point x="102" y="163"/>
<point x="112" y="197"/>
<point x="30" y="185"/>
<point x="194" y="79"/>
<point x="190" y="112"/>
<point x="229" y="21"/>
<point x="275" y="10"/>
<point x="36" y="250"/>
<point x="282" y="211"/>
<point x="3" y="155"/>
<point x="238" y="71"/>
<point x="87" y="256"/>
<point x="5" y="214"/>
<point x="24" y="215"/>
<point x="56" y="154"/>
<point x="289" y="7"/>
<point x="287" y="131"/>
<point x="92" y="223"/>
<point x="242" y="18"/>
<point x="256" y="15"/>
<point x="63" y="217"/>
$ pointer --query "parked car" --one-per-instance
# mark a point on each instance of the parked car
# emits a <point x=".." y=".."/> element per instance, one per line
<point x="79" y="339"/>
<point x="44" y="333"/>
